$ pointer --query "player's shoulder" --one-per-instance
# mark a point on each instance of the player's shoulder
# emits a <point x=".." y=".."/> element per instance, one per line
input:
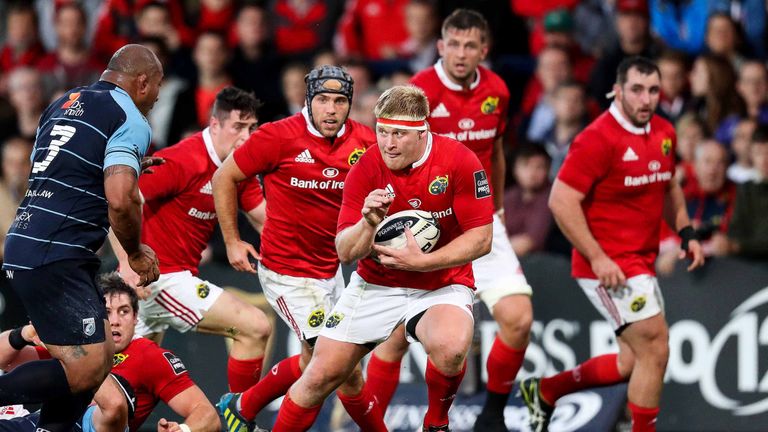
<point x="450" y="149"/>
<point x="289" y="127"/>
<point x="189" y="152"/>
<point x="154" y="355"/>
<point x="361" y="132"/>
<point x="661" y="124"/>
<point x="602" y="129"/>
<point x="425" y="77"/>
<point x="492" y="81"/>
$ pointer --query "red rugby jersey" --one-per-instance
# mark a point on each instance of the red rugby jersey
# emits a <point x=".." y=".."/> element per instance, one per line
<point x="179" y="214"/>
<point x="448" y="181"/>
<point x="304" y="176"/>
<point x="475" y="117"/>
<point x="624" y="171"/>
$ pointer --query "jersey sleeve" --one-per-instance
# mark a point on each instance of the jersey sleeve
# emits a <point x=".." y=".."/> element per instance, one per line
<point x="504" y="107"/>
<point x="588" y="160"/>
<point x="128" y="144"/>
<point x="250" y="194"/>
<point x="165" y="373"/>
<point x="472" y="198"/>
<point x="357" y="186"/>
<point x="260" y="153"/>
<point x="165" y="180"/>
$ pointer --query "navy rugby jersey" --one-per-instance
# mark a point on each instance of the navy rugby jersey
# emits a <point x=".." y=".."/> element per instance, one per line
<point x="64" y="212"/>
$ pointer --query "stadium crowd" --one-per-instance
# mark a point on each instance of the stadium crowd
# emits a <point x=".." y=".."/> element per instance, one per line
<point x="557" y="57"/>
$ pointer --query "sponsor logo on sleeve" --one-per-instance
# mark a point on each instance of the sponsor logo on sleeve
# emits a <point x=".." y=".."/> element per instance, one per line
<point x="175" y="362"/>
<point x="482" y="187"/>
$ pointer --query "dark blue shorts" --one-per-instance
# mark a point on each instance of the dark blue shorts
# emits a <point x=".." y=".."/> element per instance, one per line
<point x="63" y="301"/>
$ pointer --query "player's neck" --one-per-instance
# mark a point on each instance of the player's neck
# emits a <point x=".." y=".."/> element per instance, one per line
<point x="465" y="83"/>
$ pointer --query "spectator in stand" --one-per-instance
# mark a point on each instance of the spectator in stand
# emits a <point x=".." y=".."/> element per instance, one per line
<point x="741" y="170"/>
<point x="558" y="31"/>
<point x="552" y="69"/>
<point x="13" y="182"/>
<point x="21" y="47"/>
<point x="594" y="23"/>
<point x="713" y="91"/>
<point x="46" y="19"/>
<point x="215" y="15"/>
<point x="422" y="22"/>
<point x="154" y="20"/>
<point x="527" y="216"/>
<point x="690" y="130"/>
<point x="362" y="111"/>
<point x="723" y="38"/>
<point x="752" y="87"/>
<point x="210" y="55"/>
<point x="750" y="15"/>
<point x="326" y="57"/>
<point x="674" y="83"/>
<point x="535" y="12"/>
<point x="681" y="25"/>
<point x="255" y="65"/>
<point x="294" y="88"/>
<point x="360" y="73"/>
<point x="569" y="103"/>
<point x="303" y="26"/>
<point x="372" y="29"/>
<point x="27" y="96"/>
<point x="748" y="231"/>
<point x="634" y="39"/>
<point x="71" y="64"/>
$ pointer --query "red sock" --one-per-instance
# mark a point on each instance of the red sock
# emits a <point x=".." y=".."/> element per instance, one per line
<point x="382" y="378"/>
<point x="503" y="364"/>
<point x="595" y="372"/>
<point x="643" y="419"/>
<point x="293" y="418"/>
<point x="274" y="384"/>
<point x="441" y="391"/>
<point x="242" y="374"/>
<point x="364" y="410"/>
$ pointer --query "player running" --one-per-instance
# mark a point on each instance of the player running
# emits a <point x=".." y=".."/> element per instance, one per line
<point x="304" y="159"/>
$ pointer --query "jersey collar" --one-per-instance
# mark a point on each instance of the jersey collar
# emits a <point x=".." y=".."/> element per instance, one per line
<point x="629" y="127"/>
<point x="427" y="151"/>
<point x="450" y="84"/>
<point x="315" y="132"/>
<point x="209" y="146"/>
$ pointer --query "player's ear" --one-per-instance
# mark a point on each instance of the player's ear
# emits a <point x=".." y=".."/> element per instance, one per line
<point x="440" y="46"/>
<point x="143" y="82"/>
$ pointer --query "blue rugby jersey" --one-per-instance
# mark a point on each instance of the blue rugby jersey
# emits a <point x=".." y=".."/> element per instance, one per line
<point x="64" y="213"/>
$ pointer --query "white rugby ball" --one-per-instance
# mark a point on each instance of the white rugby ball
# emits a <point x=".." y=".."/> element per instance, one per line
<point x="425" y="229"/>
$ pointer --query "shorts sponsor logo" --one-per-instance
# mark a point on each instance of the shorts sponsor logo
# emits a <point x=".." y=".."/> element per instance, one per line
<point x="89" y="326"/>
<point x="482" y="187"/>
<point x="316" y="318"/>
<point x="118" y="358"/>
<point x="355" y="156"/>
<point x="466" y="123"/>
<point x="638" y="303"/>
<point x="489" y="105"/>
<point x="330" y="172"/>
<point x="414" y="202"/>
<point x="175" y="362"/>
<point x="203" y="290"/>
<point x="334" y="320"/>
<point x="666" y="146"/>
<point x="9" y="274"/>
<point x="439" y="185"/>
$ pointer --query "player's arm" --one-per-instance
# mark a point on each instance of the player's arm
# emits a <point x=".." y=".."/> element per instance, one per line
<point x="258" y="216"/>
<point x="355" y="242"/>
<point x="676" y="216"/>
<point x="111" y="415"/>
<point x="565" y="203"/>
<point x="224" y="183"/>
<point x="198" y="413"/>
<point x="497" y="175"/>
<point x="21" y="350"/>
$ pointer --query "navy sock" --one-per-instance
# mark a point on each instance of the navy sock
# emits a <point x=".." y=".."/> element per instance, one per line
<point x="34" y="382"/>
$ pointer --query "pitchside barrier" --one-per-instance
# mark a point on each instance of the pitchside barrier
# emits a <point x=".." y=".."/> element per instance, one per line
<point x="717" y="377"/>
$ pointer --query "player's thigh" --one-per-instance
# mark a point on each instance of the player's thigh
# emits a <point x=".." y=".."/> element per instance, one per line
<point x="639" y="299"/>
<point x="442" y="319"/>
<point x="366" y="314"/>
<point x="302" y="303"/>
<point x="394" y="348"/>
<point x="231" y="316"/>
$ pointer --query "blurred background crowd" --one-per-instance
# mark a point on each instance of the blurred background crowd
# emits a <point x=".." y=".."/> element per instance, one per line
<point x="558" y="58"/>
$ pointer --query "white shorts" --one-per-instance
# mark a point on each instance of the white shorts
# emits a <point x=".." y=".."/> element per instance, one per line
<point x="638" y="300"/>
<point x="368" y="313"/>
<point x="177" y="300"/>
<point x="302" y="303"/>
<point x="499" y="274"/>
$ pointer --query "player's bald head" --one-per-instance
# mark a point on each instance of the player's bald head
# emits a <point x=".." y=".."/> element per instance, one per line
<point x="133" y="60"/>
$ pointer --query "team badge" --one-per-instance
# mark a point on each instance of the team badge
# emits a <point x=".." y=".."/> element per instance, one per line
<point x="118" y="358"/>
<point x="439" y="185"/>
<point x="489" y="105"/>
<point x="638" y="304"/>
<point x="666" y="146"/>
<point x="316" y="318"/>
<point x="355" y="156"/>
<point x="203" y="290"/>
<point x="89" y="326"/>
<point x="334" y="320"/>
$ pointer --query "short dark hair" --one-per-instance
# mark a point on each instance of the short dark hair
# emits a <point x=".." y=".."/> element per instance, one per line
<point x="570" y="83"/>
<point x="643" y="65"/>
<point x="530" y="150"/>
<point x="760" y="136"/>
<point x="23" y="7"/>
<point x="233" y="98"/>
<point x="113" y="284"/>
<point x="466" y="19"/>
<point x="674" y="57"/>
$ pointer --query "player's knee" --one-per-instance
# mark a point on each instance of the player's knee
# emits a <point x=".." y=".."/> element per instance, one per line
<point x="515" y="324"/>
<point x="257" y="328"/>
<point x="449" y="356"/>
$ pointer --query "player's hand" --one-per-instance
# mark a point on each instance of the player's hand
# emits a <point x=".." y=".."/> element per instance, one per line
<point x="132" y="279"/>
<point x="148" y="162"/>
<point x="376" y="206"/>
<point x="695" y="252"/>
<point x="608" y="272"/>
<point x="239" y="254"/>
<point x="164" y="425"/>
<point x="29" y="334"/>
<point x="144" y="263"/>
<point x="410" y="258"/>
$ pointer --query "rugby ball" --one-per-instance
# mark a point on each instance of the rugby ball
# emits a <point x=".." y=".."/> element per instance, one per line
<point x="425" y="228"/>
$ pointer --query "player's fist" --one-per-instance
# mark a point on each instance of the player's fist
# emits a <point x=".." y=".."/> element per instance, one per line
<point x="239" y="254"/>
<point x="376" y="206"/>
<point x="164" y="425"/>
<point x="144" y="263"/>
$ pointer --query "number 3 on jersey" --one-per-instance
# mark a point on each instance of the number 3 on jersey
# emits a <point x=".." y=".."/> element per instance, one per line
<point x="64" y="134"/>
